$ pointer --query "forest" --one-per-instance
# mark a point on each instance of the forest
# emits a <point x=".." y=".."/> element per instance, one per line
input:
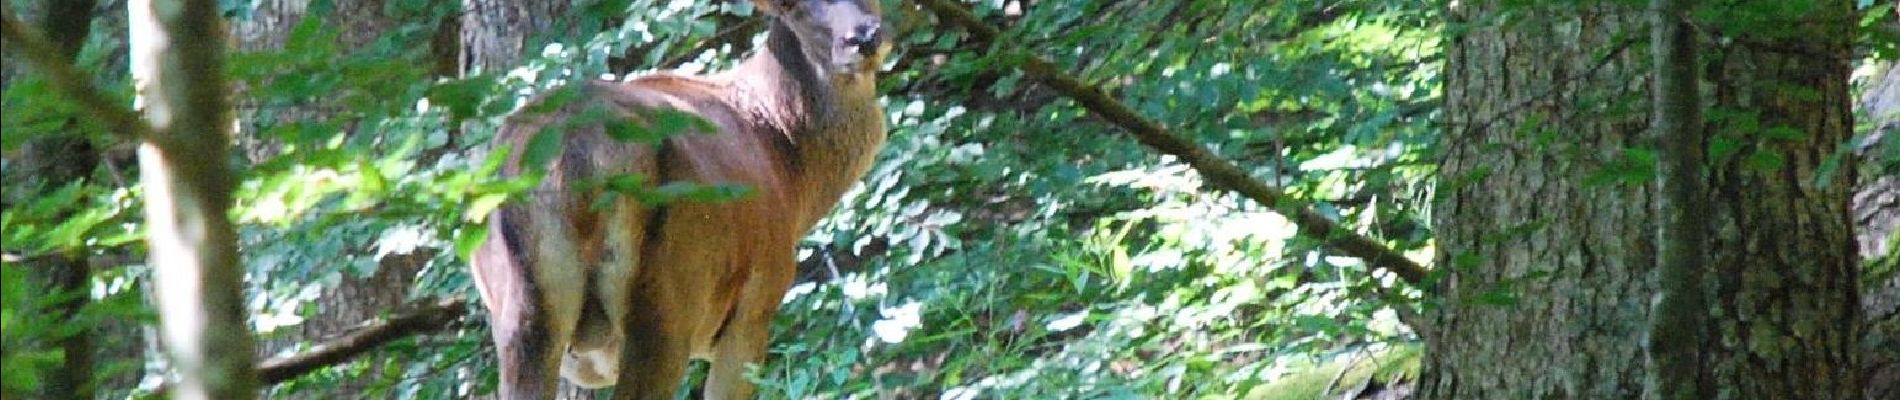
<point x="949" y="199"/>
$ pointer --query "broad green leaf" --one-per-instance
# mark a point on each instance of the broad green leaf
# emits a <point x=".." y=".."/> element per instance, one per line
<point x="1764" y="161"/>
<point x="483" y="205"/>
<point x="668" y="122"/>
<point x="469" y="238"/>
<point x="631" y="131"/>
<point x="462" y="97"/>
<point x="541" y="149"/>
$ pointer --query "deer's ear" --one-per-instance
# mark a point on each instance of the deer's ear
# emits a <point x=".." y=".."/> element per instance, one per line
<point x="773" y="6"/>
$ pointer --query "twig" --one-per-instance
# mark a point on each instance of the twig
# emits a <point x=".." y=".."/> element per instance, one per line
<point x="1350" y="363"/>
<point x="33" y="46"/>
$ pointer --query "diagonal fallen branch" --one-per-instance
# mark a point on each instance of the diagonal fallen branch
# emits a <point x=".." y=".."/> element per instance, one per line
<point x="1216" y="170"/>
<point x="426" y="318"/>
<point x="370" y="335"/>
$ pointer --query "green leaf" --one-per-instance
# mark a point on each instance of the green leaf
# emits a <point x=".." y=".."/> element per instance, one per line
<point x="1722" y="147"/>
<point x="554" y="100"/>
<point x="1764" y="161"/>
<point x="1466" y="260"/>
<point x="469" y="238"/>
<point x="370" y="184"/>
<point x="1830" y="165"/>
<point x="629" y="131"/>
<point x="1635" y="166"/>
<point x="463" y="97"/>
<point x="670" y="122"/>
<point x="492" y="164"/>
<point x="694" y="192"/>
<point x="73" y="232"/>
<point x="1499" y="296"/>
<point x="630" y="184"/>
<point x="1783" y="133"/>
<point x="479" y="209"/>
<point x="510" y="186"/>
<point x="541" y="149"/>
<point x="310" y="37"/>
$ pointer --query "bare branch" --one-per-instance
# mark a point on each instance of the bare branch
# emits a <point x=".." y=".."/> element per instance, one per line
<point x="60" y="72"/>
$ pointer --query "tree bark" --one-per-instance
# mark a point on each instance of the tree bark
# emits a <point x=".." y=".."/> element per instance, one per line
<point x="177" y="62"/>
<point x="497" y="33"/>
<point x="1546" y="300"/>
<point x="1877" y="216"/>
<point x="1675" y="320"/>
<point x="1785" y="292"/>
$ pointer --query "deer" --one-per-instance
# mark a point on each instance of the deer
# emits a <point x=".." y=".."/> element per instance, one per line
<point x="610" y="291"/>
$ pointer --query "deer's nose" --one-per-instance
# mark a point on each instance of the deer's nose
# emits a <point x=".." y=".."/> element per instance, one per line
<point x="863" y="37"/>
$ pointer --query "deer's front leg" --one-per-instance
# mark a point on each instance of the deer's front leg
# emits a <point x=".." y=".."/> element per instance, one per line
<point x="744" y="338"/>
<point x="672" y="305"/>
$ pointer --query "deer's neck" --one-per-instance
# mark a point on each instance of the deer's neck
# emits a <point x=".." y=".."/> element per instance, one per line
<point x="834" y="123"/>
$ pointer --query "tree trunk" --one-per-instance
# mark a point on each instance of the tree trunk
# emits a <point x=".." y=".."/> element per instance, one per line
<point x="1785" y="296"/>
<point x="496" y="34"/>
<point x="1877" y="216"/>
<point x="178" y="64"/>
<point x="1549" y="210"/>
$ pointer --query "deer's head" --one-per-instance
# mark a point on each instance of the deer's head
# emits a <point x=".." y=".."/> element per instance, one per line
<point x="844" y="38"/>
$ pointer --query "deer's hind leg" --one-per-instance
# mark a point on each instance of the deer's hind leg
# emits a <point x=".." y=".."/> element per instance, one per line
<point x="529" y="315"/>
<point x="593" y="360"/>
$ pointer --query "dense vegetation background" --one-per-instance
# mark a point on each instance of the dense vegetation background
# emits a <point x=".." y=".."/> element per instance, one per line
<point x="1011" y="243"/>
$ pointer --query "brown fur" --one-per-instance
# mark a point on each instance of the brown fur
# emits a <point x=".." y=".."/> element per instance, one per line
<point x="648" y="288"/>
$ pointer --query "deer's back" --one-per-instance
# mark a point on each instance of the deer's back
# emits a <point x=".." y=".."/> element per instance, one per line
<point x="738" y="152"/>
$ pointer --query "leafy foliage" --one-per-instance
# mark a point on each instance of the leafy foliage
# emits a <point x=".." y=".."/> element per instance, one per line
<point x="1009" y="244"/>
